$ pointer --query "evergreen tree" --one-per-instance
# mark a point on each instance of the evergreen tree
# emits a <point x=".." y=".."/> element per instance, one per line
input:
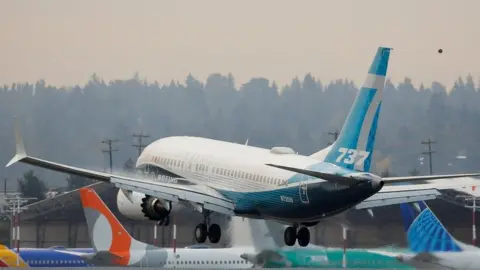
<point x="32" y="187"/>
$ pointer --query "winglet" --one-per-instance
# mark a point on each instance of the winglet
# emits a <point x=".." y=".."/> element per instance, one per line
<point x="19" y="147"/>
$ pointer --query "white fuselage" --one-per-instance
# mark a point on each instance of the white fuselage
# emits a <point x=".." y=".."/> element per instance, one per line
<point x="446" y="260"/>
<point x="222" y="165"/>
<point x="219" y="258"/>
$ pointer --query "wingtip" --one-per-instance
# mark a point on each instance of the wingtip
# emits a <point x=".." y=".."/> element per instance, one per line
<point x="19" y="147"/>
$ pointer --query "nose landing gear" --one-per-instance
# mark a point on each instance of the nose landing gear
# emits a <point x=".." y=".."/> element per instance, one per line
<point x="291" y="235"/>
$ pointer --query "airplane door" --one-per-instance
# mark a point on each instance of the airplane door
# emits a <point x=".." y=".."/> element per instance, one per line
<point x="303" y="189"/>
<point x="192" y="164"/>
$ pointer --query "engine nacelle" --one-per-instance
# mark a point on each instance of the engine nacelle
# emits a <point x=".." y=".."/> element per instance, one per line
<point x="144" y="207"/>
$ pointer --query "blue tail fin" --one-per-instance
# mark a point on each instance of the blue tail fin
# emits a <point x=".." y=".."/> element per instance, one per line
<point x="425" y="233"/>
<point x="354" y="146"/>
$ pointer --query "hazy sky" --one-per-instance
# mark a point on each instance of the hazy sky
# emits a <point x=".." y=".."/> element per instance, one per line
<point x="64" y="42"/>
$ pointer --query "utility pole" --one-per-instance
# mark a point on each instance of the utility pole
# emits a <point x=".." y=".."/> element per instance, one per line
<point x="473" y="206"/>
<point x="140" y="146"/>
<point x="14" y="202"/>
<point x="110" y="150"/>
<point x="335" y="135"/>
<point x="429" y="142"/>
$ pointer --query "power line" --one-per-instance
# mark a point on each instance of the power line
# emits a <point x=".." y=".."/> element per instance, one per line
<point x="14" y="202"/>
<point x="429" y="142"/>
<point x="335" y="135"/>
<point x="140" y="146"/>
<point x="110" y="150"/>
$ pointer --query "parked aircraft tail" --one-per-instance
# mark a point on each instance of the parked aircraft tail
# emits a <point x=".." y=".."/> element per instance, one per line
<point x="107" y="234"/>
<point x="266" y="234"/>
<point x="354" y="147"/>
<point x="425" y="233"/>
<point x="267" y="239"/>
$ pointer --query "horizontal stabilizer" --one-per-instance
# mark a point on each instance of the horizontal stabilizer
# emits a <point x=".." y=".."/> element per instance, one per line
<point x="333" y="178"/>
<point x="426" y="177"/>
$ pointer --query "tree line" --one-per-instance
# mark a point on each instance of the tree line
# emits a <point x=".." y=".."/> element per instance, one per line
<point x="67" y="124"/>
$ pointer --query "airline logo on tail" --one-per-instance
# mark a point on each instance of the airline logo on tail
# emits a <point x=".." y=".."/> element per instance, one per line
<point x="425" y="233"/>
<point x="354" y="146"/>
<point x="8" y="258"/>
<point x="111" y="240"/>
<point x="106" y="232"/>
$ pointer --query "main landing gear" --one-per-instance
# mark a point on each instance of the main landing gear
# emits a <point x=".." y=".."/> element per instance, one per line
<point x="291" y="235"/>
<point x="205" y="229"/>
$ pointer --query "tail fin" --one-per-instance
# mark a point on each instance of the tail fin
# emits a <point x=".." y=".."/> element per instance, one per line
<point x="425" y="233"/>
<point x="106" y="233"/>
<point x="266" y="234"/>
<point x="354" y="147"/>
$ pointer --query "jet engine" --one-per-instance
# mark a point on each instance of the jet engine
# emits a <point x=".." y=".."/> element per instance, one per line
<point x="143" y="207"/>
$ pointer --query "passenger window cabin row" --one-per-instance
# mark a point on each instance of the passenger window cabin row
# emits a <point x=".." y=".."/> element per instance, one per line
<point x="206" y="262"/>
<point x="55" y="262"/>
<point x="222" y="171"/>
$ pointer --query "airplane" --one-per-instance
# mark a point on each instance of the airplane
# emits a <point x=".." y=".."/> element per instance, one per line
<point x="44" y="257"/>
<point x="433" y="246"/>
<point x="114" y="246"/>
<point x="213" y="176"/>
<point x="270" y="252"/>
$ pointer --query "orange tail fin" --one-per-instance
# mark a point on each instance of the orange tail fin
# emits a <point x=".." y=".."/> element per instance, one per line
<point x="106" y="232"/>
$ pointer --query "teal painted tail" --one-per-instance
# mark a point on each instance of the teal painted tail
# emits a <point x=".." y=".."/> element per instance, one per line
<point x="354" y="147"/>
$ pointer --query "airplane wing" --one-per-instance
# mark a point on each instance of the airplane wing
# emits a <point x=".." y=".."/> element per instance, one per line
<point x="426" y="177"/>
<point x="196" y="194"/>
<point x="389" y="195"/>
<point x="210" y="199"/>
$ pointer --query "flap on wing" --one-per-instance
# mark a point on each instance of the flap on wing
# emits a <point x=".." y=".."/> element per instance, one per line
<point x="398" y="197"/>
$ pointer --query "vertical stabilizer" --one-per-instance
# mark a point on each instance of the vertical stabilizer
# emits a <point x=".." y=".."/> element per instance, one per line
<point x="425" y="233"/>
<point x="354" y="147"/>
<point x="106" y="233"/>
<point x="266" y="234"/>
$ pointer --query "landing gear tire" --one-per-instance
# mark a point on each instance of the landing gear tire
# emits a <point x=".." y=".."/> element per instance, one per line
<point x="290" y="236"/>
<point x="214" y="233"/>
<point x="201" y="233"/>
<point x="303" y="236"/>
